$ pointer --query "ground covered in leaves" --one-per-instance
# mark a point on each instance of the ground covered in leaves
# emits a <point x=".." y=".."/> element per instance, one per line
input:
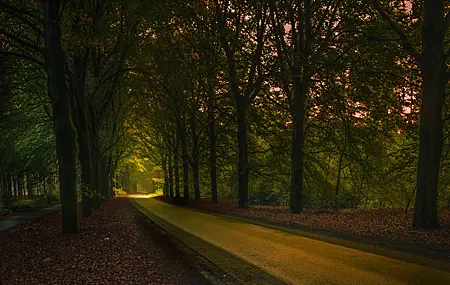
<point x="114" y="247"/>
<point x="393" y="225"/>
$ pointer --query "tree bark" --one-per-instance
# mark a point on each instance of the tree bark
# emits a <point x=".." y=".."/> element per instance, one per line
<point x="14" y="179"/>
<point x="242" y="152"/>
<point x="166" y="174"/>
<point x="81" y="123"/>
<point x="341" y="160"/>
<point x="9" y="188"/>
<point x="65" y="135"/>
<point x="297" y="155"/>
<point x="177" y="168"/>
<point x="212" y="150"/>
<point x="29" y="188"/>
<point x="434" y="75"/>
<point x="185" y="161"/>
<point x="170" y="154"/>
<point x="195" y="158"/>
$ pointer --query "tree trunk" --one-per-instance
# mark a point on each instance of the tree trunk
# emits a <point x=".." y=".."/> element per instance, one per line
<point x="185" y="161"/>
<point x="195" y="158"/>
<point x="177" y="168"/>
<point x="170" y="153"/>
<point x="298" y="141"/>
<point x="22" y="183"/>
<point x="81" y="123"/>
<point x="29" y="188"/>
<point x="14" y="179"/>
<point x="65" y="135"/>
<point x="341" y="160"/>
<point x="20" y="186"/>
<point x="9" y="188"/>
<point x="431" y="141"/>
<point x="212" y="150"/>
<point x="166" y="175"/>
<point x="430" y="151"/>
<point x="100" y="178"/>
<point x="242" y="153"/>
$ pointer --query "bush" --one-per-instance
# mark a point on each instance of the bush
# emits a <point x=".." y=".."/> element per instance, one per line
<point x="4" y="209"/>
<point x="343" y="200"/>
<point x="22" y="205"/>
<point x="52" y="197"/>
<point x="40" y="202"/>
<point x="7" y="201"/>
<point x="119" y="191"/>
<point x="266" y="195"/>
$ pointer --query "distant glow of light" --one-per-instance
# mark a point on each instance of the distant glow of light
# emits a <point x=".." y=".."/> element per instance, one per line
<point x="143" y="196"/>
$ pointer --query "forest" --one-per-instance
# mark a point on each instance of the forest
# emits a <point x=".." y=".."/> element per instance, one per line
<point x="309" y="104"/>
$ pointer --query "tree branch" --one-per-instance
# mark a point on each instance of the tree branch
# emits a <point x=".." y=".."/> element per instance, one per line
<point x="407" y="44"/>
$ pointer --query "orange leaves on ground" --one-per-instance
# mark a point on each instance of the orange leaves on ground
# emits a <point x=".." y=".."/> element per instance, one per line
<point x="113" y="247"/>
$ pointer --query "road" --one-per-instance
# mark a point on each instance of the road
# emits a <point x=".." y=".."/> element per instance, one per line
<point x="27" y="217"/>
<point x="292" y="258"/>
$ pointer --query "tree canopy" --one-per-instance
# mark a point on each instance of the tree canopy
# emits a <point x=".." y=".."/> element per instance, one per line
<point x="304" y="103"/>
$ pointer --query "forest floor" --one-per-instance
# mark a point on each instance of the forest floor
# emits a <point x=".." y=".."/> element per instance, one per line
<point x="116" y="246"/>
<point x="386" y="228"/>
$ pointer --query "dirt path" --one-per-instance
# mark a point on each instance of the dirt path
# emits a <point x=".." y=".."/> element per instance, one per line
<point x="295" y="258"/>
<point x="114" y="247"/>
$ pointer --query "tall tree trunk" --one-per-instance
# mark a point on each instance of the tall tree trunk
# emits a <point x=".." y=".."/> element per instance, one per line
<point x="22" y="185"/>
<point x="19" y="186"/>
<point x="170" y="154"/>
<point x="177" y="168"/>
<point x="105" y="177"/>
<point x="298" y="141"/>
<point x="100" y="182"/>
<point x="212" y="150"/>
<point x="166" y="175"/>
<point x="242" y="152"/>
<point x="9" y="184"/>
<point x="81" y="123"/>
<point x="29" y="188"/>
<point x="65" y="135"/>
<point x="434" y="75"/>
<point x="185" y="160"/>
<point x="430" y="151"/>
<point x="14" y="179"/>
<point x="195" y="158"/>
<point x="341" y="160"/>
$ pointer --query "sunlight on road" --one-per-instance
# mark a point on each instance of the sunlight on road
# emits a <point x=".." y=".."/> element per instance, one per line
<point x="143" y="196"/>
<point x="293" y="258"/>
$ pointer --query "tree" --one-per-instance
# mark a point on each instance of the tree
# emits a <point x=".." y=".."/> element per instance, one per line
<point x="66" y="147"/>
<point x="431" y="57"/>
<point x="245" y="69"/>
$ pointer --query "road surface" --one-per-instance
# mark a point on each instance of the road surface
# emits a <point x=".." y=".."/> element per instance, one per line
<point x="292" y="258"/>
<point x="27" y="217"/>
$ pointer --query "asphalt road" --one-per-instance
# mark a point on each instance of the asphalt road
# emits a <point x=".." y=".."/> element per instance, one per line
<point x="292" y="258"/>
<point x="27" y="217"/>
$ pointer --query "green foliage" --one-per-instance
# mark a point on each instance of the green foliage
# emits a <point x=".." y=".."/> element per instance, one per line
<point x="119" y="191"/>
<point x="22" y="205"/>
<point x="33" y="204"/>
<point x="4" y="209"/>
<point x="341" y="201"/>
<point x="52" y="197"/>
